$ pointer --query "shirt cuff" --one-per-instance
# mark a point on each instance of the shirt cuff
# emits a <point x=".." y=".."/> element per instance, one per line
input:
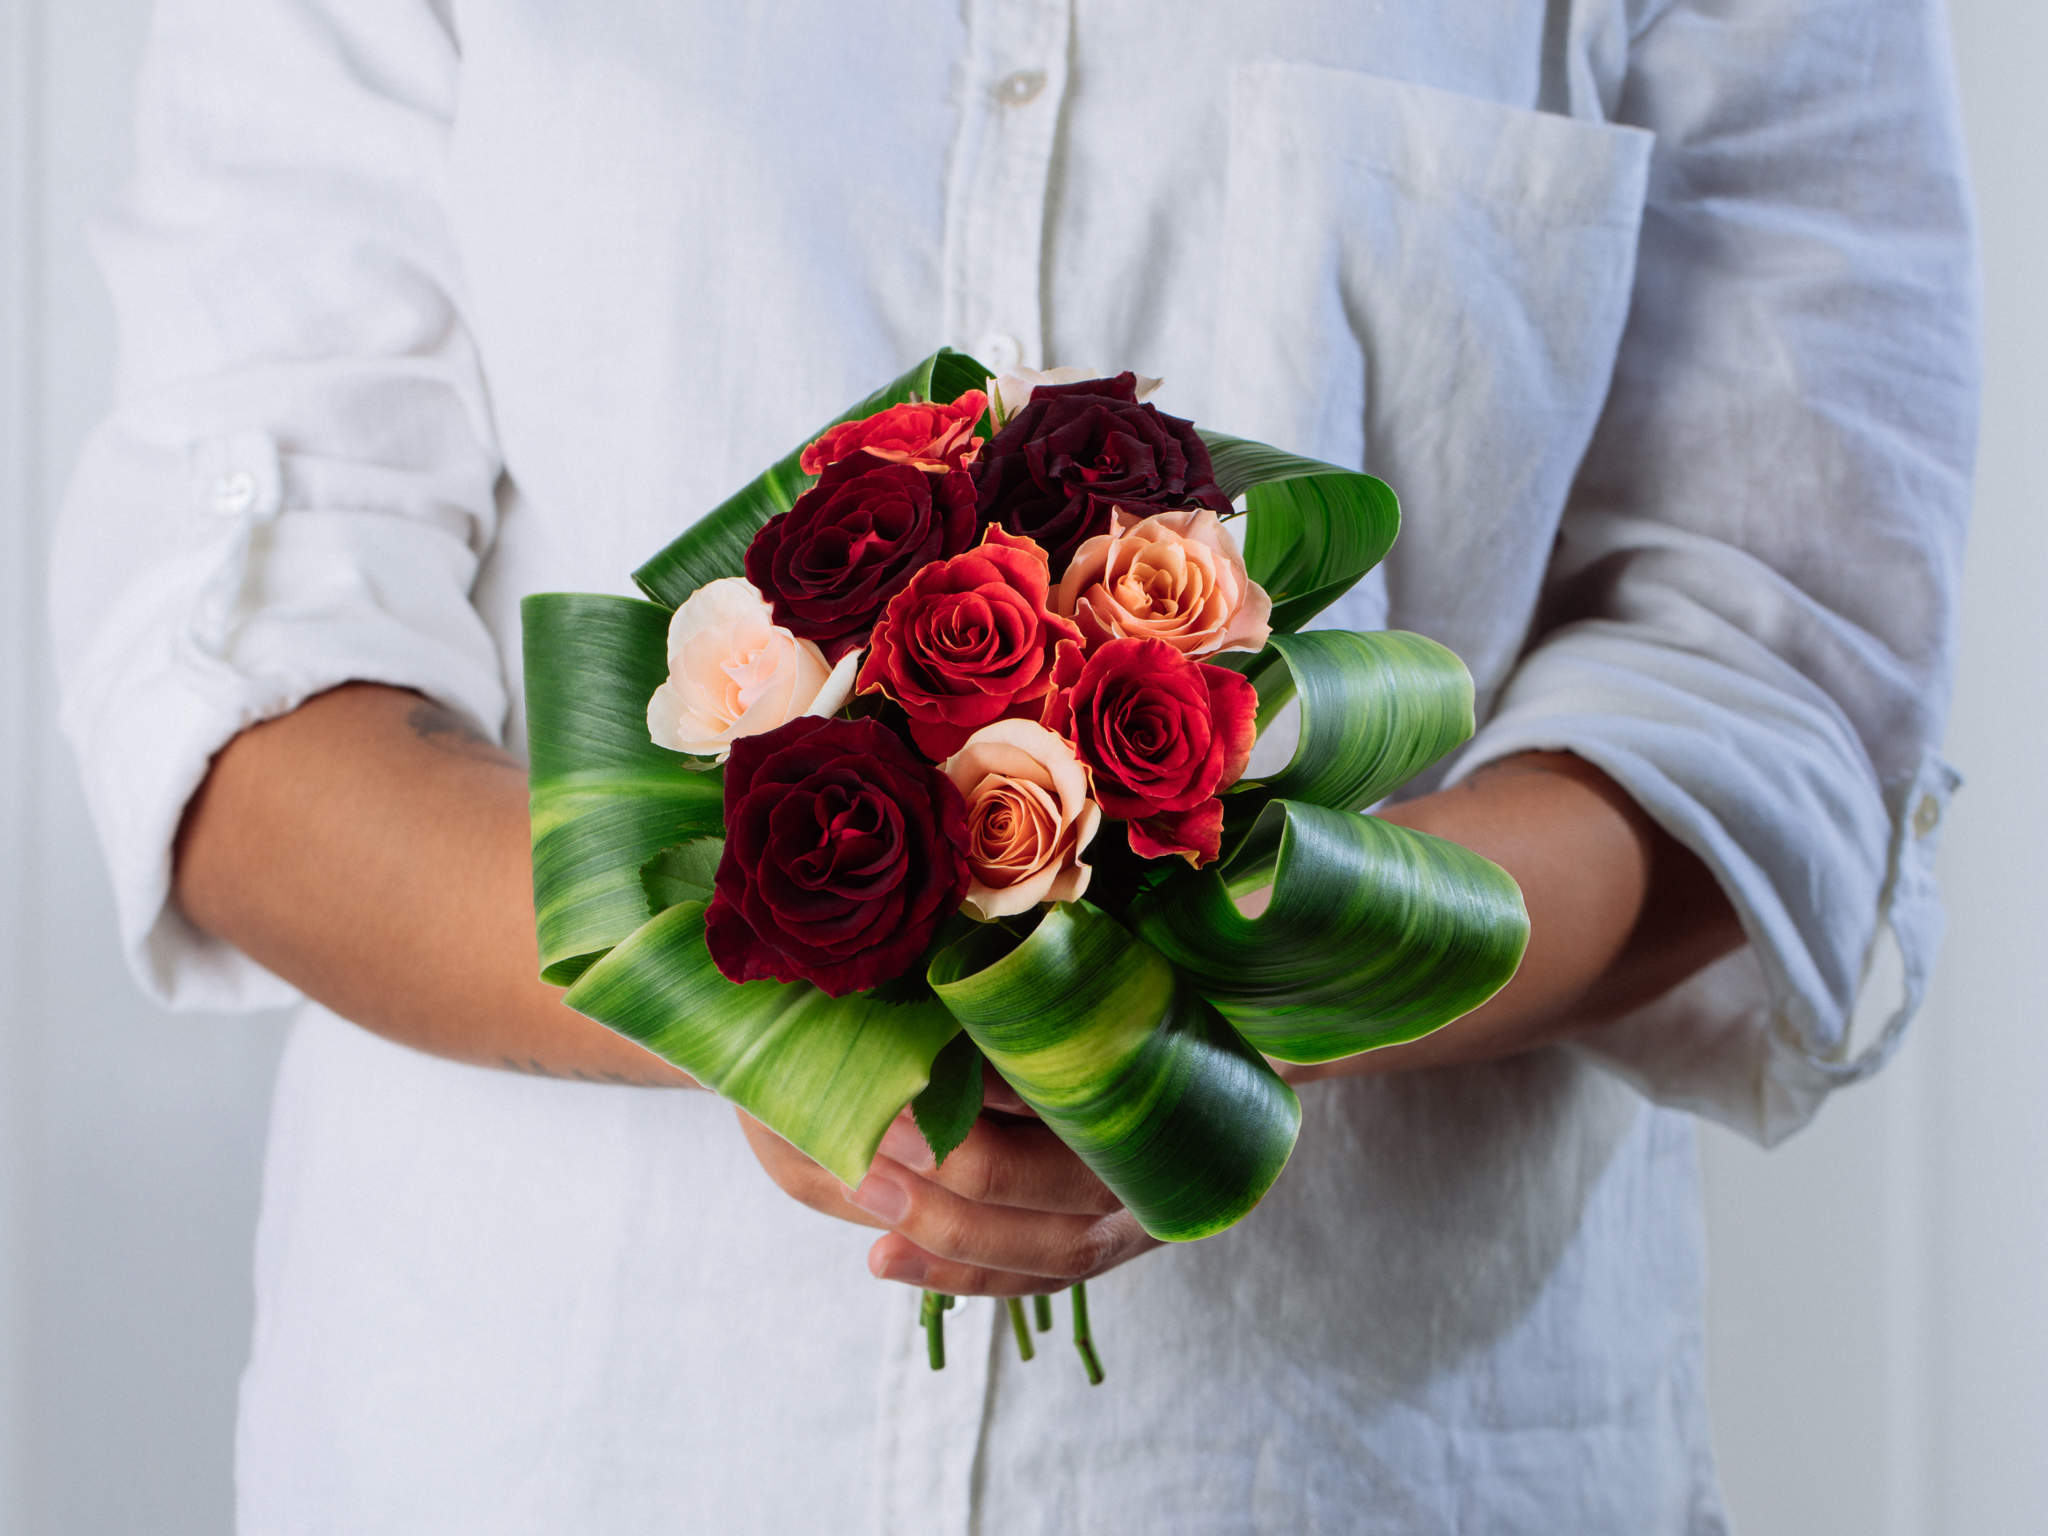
<point x="256" y="613"/>
<point x="1771" y="788"/>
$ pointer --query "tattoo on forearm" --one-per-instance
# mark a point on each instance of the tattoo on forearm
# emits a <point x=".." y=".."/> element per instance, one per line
<point x="452" y="731"/>
<point x="532" y="1068"/>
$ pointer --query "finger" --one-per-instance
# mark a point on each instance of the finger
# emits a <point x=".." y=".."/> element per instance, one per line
<point x="950" y="1226"/>
<point x="1006" y="1162"/>
<point x="802" y="1179"/>
<point x="897" y="1258"/>
<point x="999" y="1095"/>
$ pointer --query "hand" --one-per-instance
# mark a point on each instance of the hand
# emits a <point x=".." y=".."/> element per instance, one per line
<point x="1012" y="1213"/>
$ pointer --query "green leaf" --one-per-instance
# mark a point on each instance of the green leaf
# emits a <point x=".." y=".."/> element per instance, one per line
<point x="1312" y="529"/>
<point x="716" y="544"/>
<point x="947" y="1108"/>
<point x="826" y="1074"/>
<point x="681" y="873"/>
<point x="605" y="799"/>
<point x="1374" y="934"/>
<point x="1127" y="1065"/>
<point x="1376" y="709"/>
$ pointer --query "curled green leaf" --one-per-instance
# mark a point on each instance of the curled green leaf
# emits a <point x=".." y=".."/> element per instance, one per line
<point x="1374" y="934"/>
<point x="827" y="1074"/>
<point x="1184" y="1122"/>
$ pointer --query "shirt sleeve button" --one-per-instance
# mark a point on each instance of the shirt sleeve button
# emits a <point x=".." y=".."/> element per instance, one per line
<point x="234" y="494"/>
<point x="1926" y="815"/>
<point x="1020" y="87"/>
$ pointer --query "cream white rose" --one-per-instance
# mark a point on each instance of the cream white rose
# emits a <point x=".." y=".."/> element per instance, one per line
<point x="733" y="672"/>
<point x="1030" y="813"/>
<point x="1174" y="576"/>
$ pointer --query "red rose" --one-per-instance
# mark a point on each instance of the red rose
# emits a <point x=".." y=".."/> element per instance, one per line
<point x="843" y="853"/>
<point x="831" y="562"/>
<point x="968" y="641"/>
<point x="1077" y="450"/>
<point x="1163" y="735"/>
<point x="924" y="434"/>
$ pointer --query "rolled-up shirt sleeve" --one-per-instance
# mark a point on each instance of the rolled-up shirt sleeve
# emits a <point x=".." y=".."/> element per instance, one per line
<point x="298" y="478"/>
<point x="1749" y="622"/>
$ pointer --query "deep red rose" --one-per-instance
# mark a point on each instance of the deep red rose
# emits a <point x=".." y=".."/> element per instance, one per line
<point x="832" y="562"/>
<point x="843" y="853"/>
<point x="1163" y="735"/>
<point x="970" y="640"/>
<point x="924" y="434"/>
<point x="1077" y="450"/>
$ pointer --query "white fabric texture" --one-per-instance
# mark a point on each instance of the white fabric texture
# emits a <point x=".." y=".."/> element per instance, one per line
<point x="1659" y="316"/>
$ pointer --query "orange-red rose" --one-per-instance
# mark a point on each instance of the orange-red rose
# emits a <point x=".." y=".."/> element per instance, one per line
<point x="1163" y="735"/>
<point x="967" y="641"/>
<point x="923" y="434"/>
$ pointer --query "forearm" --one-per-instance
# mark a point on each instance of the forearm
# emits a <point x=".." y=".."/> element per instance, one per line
<point x="371" y="849"/>
<point x="1619" y="911"/>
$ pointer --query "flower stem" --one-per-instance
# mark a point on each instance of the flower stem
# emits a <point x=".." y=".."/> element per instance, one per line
<point x="1084" y="1341"/>
<point x="1020" y="1328"/>
<point x="1041" y="1313"/>
<point x="932" y="1313"/>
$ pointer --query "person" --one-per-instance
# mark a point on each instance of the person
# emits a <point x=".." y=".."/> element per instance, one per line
<point x="1658" y="315"/>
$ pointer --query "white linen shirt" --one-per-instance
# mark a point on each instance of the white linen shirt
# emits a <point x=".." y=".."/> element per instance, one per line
<point x="1658" y="315"/>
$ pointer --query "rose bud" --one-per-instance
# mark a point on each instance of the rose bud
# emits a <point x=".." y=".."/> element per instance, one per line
<point x="969" y="640"/>
<point x="843" y="854"/>
<point x="1029" y="816"/>
<point x="1076" y="450"/>
<point x="1173" y="576"/>
<point x="830" y="564"/>
<point x="924" y="434"/>
<point x="733" y="671"/>
<point x="1162" y="733"/>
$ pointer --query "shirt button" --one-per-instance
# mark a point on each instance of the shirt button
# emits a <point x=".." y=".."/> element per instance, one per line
<point x="1000" y="350"/>
<point x="1014" y="90"/>
<point x="1926" y="815"/>
<point x="234" y="494"/>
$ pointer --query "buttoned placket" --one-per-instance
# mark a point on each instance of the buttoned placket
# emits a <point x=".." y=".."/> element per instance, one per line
<point x="1014" y="81"/>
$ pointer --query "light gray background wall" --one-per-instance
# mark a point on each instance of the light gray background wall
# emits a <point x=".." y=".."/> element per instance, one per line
<point x="1878" y="1331"/>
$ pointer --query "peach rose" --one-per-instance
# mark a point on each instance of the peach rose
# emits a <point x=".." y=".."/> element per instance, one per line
<point x="1030" y="813"/>
<point x="1174" y="576"/>
<point x="733" y="671"/>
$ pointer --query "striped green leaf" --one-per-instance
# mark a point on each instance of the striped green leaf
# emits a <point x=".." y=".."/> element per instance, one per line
<point x="827" y="1074"/>
<point x="1128" y="1066"/>
<point x="716" y="544"/>
<point x="1311" y="529"/>
<point x="1374" y="933"/>
<point x="1376" y="709"/>
<point x="605" y="799"/>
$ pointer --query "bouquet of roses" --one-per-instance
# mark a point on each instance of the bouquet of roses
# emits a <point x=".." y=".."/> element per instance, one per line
<point x="930" y="751"/>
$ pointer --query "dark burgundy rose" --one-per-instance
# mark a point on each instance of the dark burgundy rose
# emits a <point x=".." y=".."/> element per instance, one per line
<point x="1077" y="450"/>
<point x="830" y="564"/>
<point x="843" y="853"/>
<point x="1162" y="733"/>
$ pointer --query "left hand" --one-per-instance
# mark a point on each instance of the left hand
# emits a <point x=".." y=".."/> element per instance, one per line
<point x="1012" y="1213"/>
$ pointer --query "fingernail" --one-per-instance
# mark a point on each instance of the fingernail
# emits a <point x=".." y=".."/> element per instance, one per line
<point x="882" y="1196"/>
<point x="906" y="1144"/>
<point x="906" y="1267"/>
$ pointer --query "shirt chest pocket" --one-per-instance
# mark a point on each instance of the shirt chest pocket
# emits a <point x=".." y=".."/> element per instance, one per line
<point x="1432" y="286"/>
